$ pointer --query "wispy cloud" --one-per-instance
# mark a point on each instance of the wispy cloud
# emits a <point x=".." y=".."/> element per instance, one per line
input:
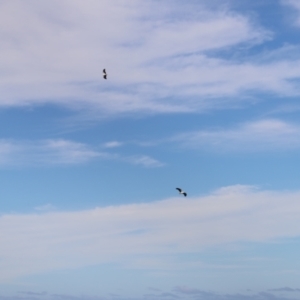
<point x="188" y="290"/>
<point x="112" y="144"/>
<point x="44" y="208"/>
<point x="145" y="161"/>
<point x="178" y="292"/>
<point x="192" y="293"/>
<point x="285" y="289"/>
<point x="269" y="134"/>
<point x="44" y="152"/>
<point x="62" y="152"/>
<point x="168" y="227"/>
<point x="28" y="293"/>
<point x="296" y="6"/>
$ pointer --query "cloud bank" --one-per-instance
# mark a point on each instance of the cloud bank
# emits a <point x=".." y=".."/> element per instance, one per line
<point x="154" y="58"/>
<point x="176" y="294"/>
<point x="136" y="233"/>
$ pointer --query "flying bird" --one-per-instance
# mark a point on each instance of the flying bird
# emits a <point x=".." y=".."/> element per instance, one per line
<point x="181" y="192"/>
<point x="104" y="74"/>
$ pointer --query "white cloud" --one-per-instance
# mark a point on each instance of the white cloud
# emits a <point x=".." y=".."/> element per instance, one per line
<point x="46" y="207"/>
<point x="295" y="4"/>
<point x="62" y="152"/>
<point x="145" y="161"/>
<point x="55" y="52"/>
<point x="45" y="152"/>
<point x="112" y="144"/>
<point x="33" y="243"/>
<point x="270" y="134"/>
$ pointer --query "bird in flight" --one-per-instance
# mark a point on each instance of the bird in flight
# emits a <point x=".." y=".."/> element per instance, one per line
<point x="181" y="192"/>
<point x="104" y="74"/>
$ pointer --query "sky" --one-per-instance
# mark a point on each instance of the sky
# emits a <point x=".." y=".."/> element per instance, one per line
<point x="201" y="95"/>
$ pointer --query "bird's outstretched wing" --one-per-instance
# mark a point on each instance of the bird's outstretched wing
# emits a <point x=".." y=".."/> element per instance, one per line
<point x="185" y="194"/>
<point x="104" y="71"/>
<point x="105" y="76"/>
<point x="179" y="190"/>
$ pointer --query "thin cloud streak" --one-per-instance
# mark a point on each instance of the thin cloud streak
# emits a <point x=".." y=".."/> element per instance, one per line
<point x="44" y="152"/>
<point x="192" y="293"/>
<point x="132" y="234"/>
<point x="62" y="152"/>
<point x="259" y="136"/>
<point x="178" y="292"/>
<point x="285" y="289"/>
<point x="113" y="144"/>
<point x="145" y="161"/>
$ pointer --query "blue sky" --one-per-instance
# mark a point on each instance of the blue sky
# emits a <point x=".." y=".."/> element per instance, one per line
<point x="202" y="95"/>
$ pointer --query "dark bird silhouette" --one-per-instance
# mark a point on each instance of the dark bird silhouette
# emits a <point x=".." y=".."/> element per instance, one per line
<point x="181" y="192"/>
<point x="104" y="74"/>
